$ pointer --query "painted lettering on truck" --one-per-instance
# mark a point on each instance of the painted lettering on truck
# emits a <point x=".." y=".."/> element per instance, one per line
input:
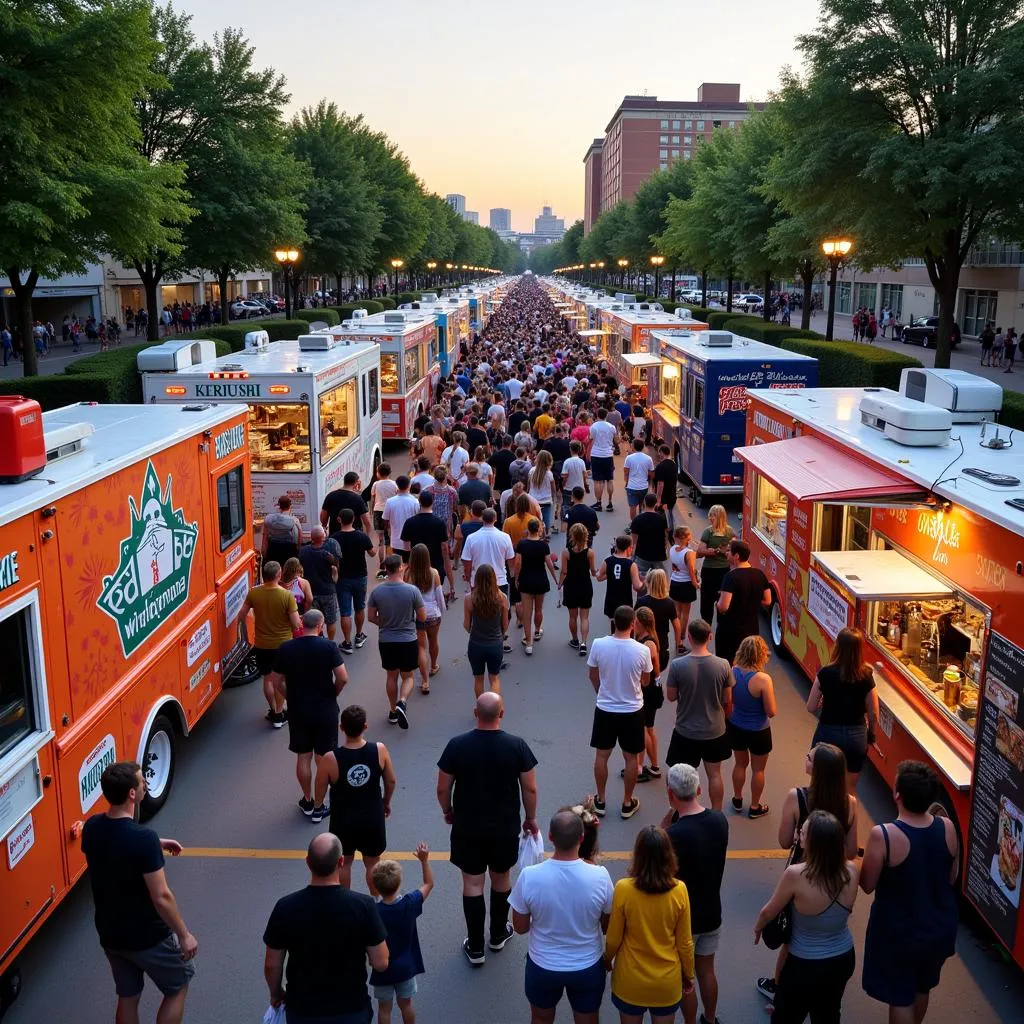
<point x="228" y="389"/>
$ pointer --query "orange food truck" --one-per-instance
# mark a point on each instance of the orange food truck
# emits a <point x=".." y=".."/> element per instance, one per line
<point x="125" y="558"/>
<point x="903" y="514"/>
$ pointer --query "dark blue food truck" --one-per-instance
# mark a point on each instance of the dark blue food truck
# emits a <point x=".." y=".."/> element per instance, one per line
<point x="698" y="398"/>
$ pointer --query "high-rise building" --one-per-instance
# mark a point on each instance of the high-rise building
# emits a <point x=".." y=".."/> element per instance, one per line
<point x="456" y="202"/>
<point x="500" y="219"/>
<point x="646" y="134"/>
<point x="472" y="216"/>
<point x="548" y="225"/>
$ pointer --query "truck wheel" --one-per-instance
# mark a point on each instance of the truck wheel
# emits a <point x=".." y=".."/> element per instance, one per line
<point x="247" y="672"/>
<point x="776" y="628"/>
<point x="10" y="987"/>
<point x="158" y="765"/>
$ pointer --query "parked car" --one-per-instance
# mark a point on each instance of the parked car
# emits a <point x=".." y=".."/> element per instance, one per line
<point x="246" y="309"/>
<point x="750" y="302"/>
<point x="924" y="330"/>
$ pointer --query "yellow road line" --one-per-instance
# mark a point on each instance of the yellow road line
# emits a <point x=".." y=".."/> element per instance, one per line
<point x="243" y="853"/>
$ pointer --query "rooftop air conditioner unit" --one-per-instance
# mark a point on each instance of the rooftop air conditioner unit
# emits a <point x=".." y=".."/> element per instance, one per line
<point x="317" y="342"/>
<point x="257" y="341"/>
<point x="906" y="420"/>
<point x="66" y="440"/>
<point x="683" y="314"/>
<point x="968" y="397"/>
<point x="429" y="297"/>
<point x="176" y="355"/>
<point x="395" y="316"/>
<point x="715" y="339"/>
<point x="360" y="313"/>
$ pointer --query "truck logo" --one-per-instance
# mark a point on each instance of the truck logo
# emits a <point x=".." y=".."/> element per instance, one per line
<point x="229" y="441"/>
<point x="732" y="398"/>
<point x="228" y="390"/>
<point x="152" y="579"/>
<point x="9" y="570"/>
<point x="104" y="753"/>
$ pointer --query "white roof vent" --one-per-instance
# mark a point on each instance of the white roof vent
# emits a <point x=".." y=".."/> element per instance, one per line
<point x="683" y="314"/>
<point x="66" y="440"/>
<point x="176" y="355"/>
<point x="906" y="420"/>
<point x="257" y="341"/>
<point x="395" y="316"/>
<point x="967" y="396"/>
<point x="359" y="313"/>
<point x="429" y="297"/>
<point x="317" y="342"/>
<point x="715" y="339"/>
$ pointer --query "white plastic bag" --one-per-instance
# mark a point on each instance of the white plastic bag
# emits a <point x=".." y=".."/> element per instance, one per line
<point x="531" y="850"/>
<point x="274" y="1015"/>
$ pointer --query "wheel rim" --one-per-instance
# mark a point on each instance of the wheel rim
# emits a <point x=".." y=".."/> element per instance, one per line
<point x="158" y="764"/>
<point x="776" y="624"/>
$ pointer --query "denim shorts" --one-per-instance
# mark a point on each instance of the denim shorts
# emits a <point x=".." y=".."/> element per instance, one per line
<point x="585" y="988"/>
<point x="351" y="593"/>
<point x="401" y="989"/>
<point x="852" y="740"/>
<point x="635" y="496"/>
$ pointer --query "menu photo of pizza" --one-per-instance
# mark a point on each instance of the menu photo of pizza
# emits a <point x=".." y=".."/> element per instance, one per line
<point x="1006" y="862"/>
<point x="1002" y="696"/>
<point x="1010" y="741"/>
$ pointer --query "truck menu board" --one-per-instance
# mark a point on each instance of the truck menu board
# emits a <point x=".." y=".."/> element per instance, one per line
<point x="996" y="839"/>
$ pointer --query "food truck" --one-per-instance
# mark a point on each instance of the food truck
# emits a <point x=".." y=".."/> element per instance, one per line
<point x="451" y="317"/>
<point x="476" y="296"/>
<point x="125" y="558"/>
<point x="314" y="409"/>
<point x="698" y="399"/>
<point x="903" y="514"/>
<point x="629" y="327"/>
<point x="409" y="363"/>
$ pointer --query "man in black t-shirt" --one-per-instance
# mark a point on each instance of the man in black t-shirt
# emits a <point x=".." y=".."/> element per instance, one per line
<point x="474" y="489"/>
<point x="700" y="838"/>
<point x="742" y="595"/>
<point x="353" y="576"/>
<point x="426" y="528"/>
<point x="346" y="496"/>
<point x="137" y="918"/>
<point x="327" y="933"/>
<point x="309" y="672"/>
<point x="476" y="436"/>
<point x="319" y="560"/>
<point x="517" y="419"/>
<point x="666" y="479"/>
<point x="650" y="537"/>
<point x="500" y="462"/>
<point x="482" y="775"/>
<point x="581" y="512"/>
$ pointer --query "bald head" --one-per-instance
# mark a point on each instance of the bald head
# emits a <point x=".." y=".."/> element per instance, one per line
<point x="323" y="854"/>
<point x="317" y="534"/>
<point x="566" y="831"/>
<point x="489" y="709"/>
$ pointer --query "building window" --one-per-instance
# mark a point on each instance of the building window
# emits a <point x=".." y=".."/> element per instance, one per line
<point x="687" y="125"/>
<point x="700" y="126"/>
<point x="662" y="154"/>
<point x="976" y="307"/>
<point x="700" y="139"/>
<point x="716" y="124"/>
<point x="686" y="154"/>
<point x="892" y="296"/>
<point x="664" y="124"/>
<point x="675" y="154"/>
<point x="687" y="140"/>
<point x="663" y="166"/>
<point x="663" y="139"/>
<point x="675" y="140"/>
<point x="675" y="126"/>
<point x="843" y="296"/>
<point x="231" y="506"/>
<point x="732" y="124"/>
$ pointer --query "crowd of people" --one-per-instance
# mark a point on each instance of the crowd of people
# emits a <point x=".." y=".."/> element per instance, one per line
<point x="523" y="434"/>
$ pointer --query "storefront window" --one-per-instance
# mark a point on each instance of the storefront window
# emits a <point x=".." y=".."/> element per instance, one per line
<point x="670" y="376"/>
<point x="339" y="419"/>
<point x="389" y="373"/>
<point x="412" y="367"/>
<point x="892" y="296"/>
<point x="976" y="307"/>
<point x="279" y="438"/>
<point x="843" y="296"/>
<point x="867" y="293"/>
<point x="771" y="511"/>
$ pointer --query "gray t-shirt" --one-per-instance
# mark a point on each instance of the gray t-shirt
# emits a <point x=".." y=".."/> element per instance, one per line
<point x="700" y="682"/>
<point x="397" y="603"/>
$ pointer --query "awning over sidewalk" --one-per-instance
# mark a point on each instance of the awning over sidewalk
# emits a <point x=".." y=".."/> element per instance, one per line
<point x="811" y="470"/>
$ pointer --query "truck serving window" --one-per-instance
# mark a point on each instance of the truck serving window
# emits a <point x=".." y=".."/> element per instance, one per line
<point x="231" y="506"/>
<point x="279" y="438"/>
<point x="389" y="373"/>
<point x="670" y="385"/>
<point x="412" y="366"/>
<point x="18" y="714"/>
<point x="339" y="419"/>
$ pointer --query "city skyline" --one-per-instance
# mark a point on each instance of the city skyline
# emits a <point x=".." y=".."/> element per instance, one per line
<point x="516" y="140"/>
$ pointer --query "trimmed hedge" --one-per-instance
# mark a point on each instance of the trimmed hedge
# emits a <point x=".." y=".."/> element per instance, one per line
<point x="386" y="303"/>
<point x="403" y="297"/>
<point x="234" y="334"/>
<point x="772" y="334"/>
<point x="1013" y="410"/>
<point x="847" y="364"/>
<point x="322" y="314"/>
<point x="698" y="312"/>
<point x="718" y="318"/>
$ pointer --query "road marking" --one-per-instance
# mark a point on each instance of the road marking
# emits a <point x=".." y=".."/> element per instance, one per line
<point x="243" y="853"/>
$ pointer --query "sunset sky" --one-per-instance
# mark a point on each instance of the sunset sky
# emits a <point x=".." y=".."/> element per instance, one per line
<point x="500" y="101"/>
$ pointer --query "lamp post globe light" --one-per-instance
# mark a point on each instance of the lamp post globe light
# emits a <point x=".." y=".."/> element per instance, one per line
<point x="656" y="262"/>
<point x="287" y="258"/>
<point x="431" y="267"/>
<point x="835" y="250"/>
<point x="396" y="265"/>
<point x="623" y="264"/>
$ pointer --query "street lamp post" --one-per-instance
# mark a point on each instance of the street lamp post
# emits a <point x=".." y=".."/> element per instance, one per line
<point x="431" y="267"/>
<point x="396" y="265"/>
<point x="287" y="258"/>
<point x="623" y="264"/>
<point x="600" y="267"/>
<point x="835" y="250"/>
<point x="449" y="267"/>
<point x="656" y="262"/>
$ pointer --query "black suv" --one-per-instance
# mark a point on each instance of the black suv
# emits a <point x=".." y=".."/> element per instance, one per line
<point x="925" y="331"/>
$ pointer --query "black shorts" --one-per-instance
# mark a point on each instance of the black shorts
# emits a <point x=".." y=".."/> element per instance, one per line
<point x="265" y="658"/>
<point x="685" y="751"/>
<point x="625" y="729"/>
<point x="368" y="839"/>
<point x="477" y="854"/>
<point x="402" y="655"/>
<point x="319" y="734"/>
<point x="684" y="593"/>
<point x="602" y="468"/>
<point x="654" y="698"/>
<point x="757" y="741"/>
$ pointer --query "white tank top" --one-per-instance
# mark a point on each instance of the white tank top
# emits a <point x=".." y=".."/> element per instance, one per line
<point x="677" y="559"/>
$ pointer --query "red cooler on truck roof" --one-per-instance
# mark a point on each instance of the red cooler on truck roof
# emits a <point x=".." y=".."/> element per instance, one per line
<point x="22" y="448"/>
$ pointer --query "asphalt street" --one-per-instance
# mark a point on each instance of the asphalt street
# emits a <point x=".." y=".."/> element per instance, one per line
<point x="234" y="808"/>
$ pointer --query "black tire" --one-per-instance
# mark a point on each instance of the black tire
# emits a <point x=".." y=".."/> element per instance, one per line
<point x="10" y="987"/>
<point x="776" y="629"/>
<point x="247" y="672"/>
<point x="160" y="744"/>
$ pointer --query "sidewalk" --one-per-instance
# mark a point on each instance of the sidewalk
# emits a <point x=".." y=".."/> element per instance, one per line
<point x="59" y="357"/>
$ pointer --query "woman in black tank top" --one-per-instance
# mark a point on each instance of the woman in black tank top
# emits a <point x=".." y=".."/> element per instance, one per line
<point x="623" y="578"/>
<point x="577" y="585"/>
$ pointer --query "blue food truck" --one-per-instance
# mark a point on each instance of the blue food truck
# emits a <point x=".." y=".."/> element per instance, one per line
<point x="698" y="399"/>
<point x="451" y="314"/>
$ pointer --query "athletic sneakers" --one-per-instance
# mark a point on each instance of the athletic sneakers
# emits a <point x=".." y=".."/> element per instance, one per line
<point x="403" y="718"/>
<point x="346" y="647"/>
<point x="539" y="634"/>
<point x="654" y="771"/>
<point x="758" y="810"/>
<point x="628" y="810"/>
<point x="475" y="957"/>
<point x="318" y="815"/>
<point x="360" y="640"/>
<point x="506" y="646"/>
<point x="278" y="718"/>
<point x="528" y="648"/>
<point x="766" y="986"/>
<point x="596" y="506"/>
<point x="644" y="775"/>
<point x="583" y="650"/>
<point x="381" y="575"/>
<point x="609" y="507"/>
<point x="574" y="643"/>
<point x="392" y="718"/>
<point x="306" y="806"/>
<point x="499" y="944"/>
<point x="599" y="807"/>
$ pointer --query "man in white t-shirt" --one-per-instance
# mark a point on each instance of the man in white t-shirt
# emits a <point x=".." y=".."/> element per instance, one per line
<point x="515" y="388"/>
<point x="490" y="546"/>
<point x="563" y="904"/>
<point x="638" y="469"/>
<point x="602" y="464"/>
<point x="570" y="381"/>
<point x="397" y="509"/>
<point x="619" y="666"/>
<point x="455" y="457"/>
<point x="574" y="469"/>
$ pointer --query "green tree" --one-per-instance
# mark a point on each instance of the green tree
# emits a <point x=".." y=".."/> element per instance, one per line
<point x="71" y="182"/>
<point x="570" y="243"/>
<point x="909" y="131"/>
<point x="343" y="217"/>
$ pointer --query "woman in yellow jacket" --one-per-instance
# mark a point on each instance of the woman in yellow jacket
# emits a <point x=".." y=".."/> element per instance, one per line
<point x="649" y="947"/>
